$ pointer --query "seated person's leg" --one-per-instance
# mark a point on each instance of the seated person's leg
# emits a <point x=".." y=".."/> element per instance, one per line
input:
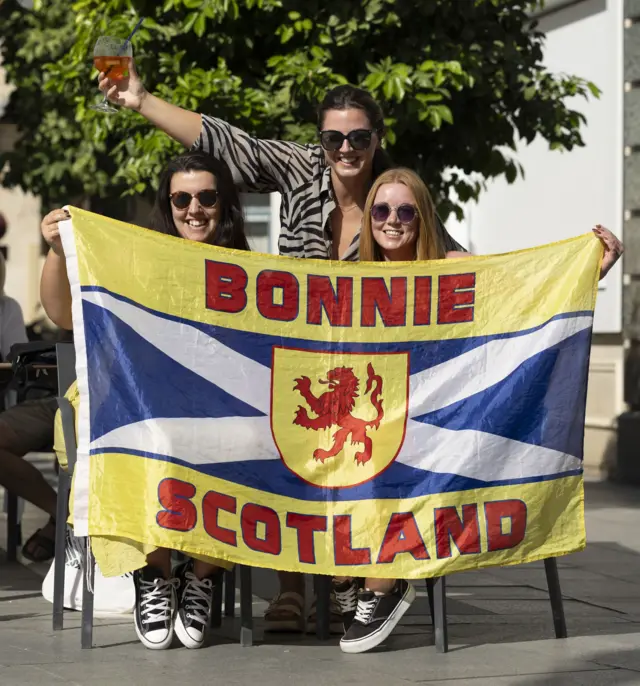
<point x="346" y="590"/>
<point x="195" y="600"/>
<point x="286" y="611"/>
<point x="25" y="428"/>
<point x="381" y="605"/>
<point x="186" y="594"/>
<point x="155" y="600"/>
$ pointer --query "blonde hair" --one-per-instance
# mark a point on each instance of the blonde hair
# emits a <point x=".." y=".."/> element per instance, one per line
<point x="429" y="244"/>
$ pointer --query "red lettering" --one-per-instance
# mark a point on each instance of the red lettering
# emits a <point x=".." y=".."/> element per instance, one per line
<point x="402" y="536"/>
<point x="320" y="294"/>
<point x="422" y="301"/>
<point x="495" y="512"/>
<point x="375" y="297"/>
<point x="270" y="281"/>
<point x="179" y="512"/>
<point x="456" y="296"/>
<point x="465" y="533"/>
<point x="251" y="515"/>
<point x="226" y="287"/>
<point x="211" y="503"/>
<point x="306" y="526"/>
<point x="343" y="552"/>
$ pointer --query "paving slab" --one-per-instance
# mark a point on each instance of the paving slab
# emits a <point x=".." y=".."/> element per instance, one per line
<point x="500" y="628"/>
<point x="603" y="677"/>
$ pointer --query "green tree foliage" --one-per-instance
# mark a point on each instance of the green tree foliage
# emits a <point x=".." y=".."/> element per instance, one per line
<point x="461" y="83"/>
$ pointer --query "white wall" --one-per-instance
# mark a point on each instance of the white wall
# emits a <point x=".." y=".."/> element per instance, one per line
<point x="262" y="221"/>
<point x="565" y="194"/>
<point x="22" y="212"/>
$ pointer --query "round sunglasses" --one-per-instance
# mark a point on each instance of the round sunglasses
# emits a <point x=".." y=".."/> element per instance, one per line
<point x="359" y="139"/>
<point x="207" y="198"/>
<point x="381" y="211"/>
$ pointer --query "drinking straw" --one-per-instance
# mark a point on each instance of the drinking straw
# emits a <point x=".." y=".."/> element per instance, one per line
<point x="126" y="43"/>
<point x="123" y="47"/>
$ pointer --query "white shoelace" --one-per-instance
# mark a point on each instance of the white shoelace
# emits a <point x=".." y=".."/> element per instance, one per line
<point x="155" y="603"/>
<point x="197" y="598"/>
<point x="365" y="610"/>
<point x="347" y="599"/>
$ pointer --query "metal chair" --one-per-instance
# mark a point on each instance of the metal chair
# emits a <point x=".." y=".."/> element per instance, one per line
<point x="437" y="593"/>
<point x="436" y="590"/>
<point x="66" y="358"/>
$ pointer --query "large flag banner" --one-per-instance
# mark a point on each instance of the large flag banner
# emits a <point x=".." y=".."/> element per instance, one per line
<point x="377" y="419"/>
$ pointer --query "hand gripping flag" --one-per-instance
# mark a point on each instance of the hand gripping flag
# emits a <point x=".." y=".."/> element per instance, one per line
<point x="375" y="419"/>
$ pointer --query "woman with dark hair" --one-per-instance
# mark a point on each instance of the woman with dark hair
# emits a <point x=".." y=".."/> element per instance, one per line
<point x="208" y="178"/>
<point x="323" y="189"/>
<point x="323" y="186"/>
<point x="198" y="201"/>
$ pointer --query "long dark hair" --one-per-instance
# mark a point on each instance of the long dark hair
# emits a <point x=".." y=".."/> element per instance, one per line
<point x="348" y="97"/>
<point x="229" y="232"/>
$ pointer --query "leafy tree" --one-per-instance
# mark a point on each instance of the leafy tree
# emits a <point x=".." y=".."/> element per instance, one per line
<point x="462" y="83"/>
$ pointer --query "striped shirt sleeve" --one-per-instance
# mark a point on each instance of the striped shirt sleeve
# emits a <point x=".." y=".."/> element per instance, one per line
<point x="257" y="165"/>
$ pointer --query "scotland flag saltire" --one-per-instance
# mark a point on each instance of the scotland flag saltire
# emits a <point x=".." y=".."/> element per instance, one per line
<point x="383" y="420"/>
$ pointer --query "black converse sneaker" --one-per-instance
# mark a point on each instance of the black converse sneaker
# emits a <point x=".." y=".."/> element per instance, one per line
<point x="194" y="605"/>
<point x="376" y="616"/>
<point x="346" y="593"/>
<point x="155" y="607"/>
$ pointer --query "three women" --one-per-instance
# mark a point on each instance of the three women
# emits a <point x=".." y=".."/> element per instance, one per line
<point x="340" y="200"/>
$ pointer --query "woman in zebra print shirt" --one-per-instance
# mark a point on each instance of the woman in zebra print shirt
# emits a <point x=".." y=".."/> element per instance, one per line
<point x="323" y="186"/>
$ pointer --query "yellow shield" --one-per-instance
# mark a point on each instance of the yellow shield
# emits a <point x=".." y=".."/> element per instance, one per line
<point x="338" y="419"/>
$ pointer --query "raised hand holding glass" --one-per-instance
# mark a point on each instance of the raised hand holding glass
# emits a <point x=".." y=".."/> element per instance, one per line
<point x="113" y="57"/>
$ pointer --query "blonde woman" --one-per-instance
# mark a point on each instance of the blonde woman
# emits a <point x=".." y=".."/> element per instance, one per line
<point x="399" y="224"/>
<point x="400" y="221"/>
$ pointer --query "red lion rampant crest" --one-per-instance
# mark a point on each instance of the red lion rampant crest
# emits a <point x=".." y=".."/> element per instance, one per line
<point x="335" y="408"/>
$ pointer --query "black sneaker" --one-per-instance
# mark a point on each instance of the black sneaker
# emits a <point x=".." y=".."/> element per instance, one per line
<point x="194" y="605"/>
<point x="376" y="616"/>
<point x="346" y="593"/>
<point x="155" y="607"/>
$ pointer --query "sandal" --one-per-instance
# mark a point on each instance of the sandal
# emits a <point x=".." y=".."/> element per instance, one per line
<point x="284" y="614"/>
<point x="40" y="547"/>
<point x="336" y="625"/>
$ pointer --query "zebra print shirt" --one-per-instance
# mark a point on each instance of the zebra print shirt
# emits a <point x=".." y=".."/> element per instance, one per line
<point x="299" y="173"/>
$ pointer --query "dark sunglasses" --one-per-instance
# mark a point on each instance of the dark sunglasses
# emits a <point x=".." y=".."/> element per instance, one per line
<point x="207" y="198"/>
<point x="359" y="139"/>
<point x="381" y="211"/>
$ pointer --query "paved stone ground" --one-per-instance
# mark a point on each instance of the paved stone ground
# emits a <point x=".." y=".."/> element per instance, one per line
<point x="500" y="628"/>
